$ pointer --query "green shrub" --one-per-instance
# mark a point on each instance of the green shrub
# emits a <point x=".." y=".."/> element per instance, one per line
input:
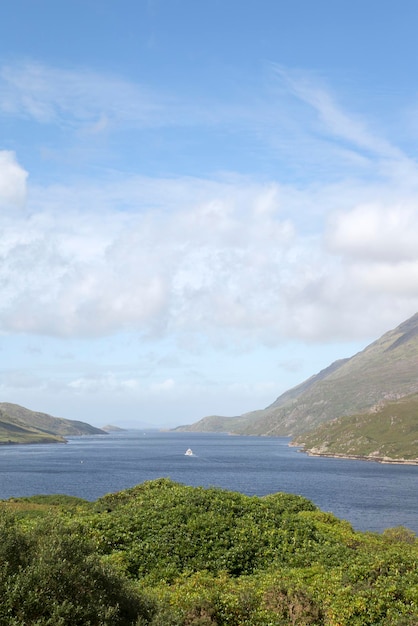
<point x="52" y="576"/>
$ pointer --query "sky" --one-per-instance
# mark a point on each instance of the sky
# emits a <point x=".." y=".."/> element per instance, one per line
<point x="202" y="202"/>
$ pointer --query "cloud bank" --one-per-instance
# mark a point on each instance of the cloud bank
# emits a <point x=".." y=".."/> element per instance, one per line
<point x="228" y="256"/>
<point x="219" y="258"/>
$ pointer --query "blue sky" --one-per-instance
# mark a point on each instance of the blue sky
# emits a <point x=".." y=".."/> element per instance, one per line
<point x="202" y="203"/>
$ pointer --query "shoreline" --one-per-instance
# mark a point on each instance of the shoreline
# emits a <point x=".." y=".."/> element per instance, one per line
<point x="357" y="457"/>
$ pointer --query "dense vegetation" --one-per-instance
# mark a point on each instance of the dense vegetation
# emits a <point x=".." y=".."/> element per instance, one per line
<point x="164" y="554"/>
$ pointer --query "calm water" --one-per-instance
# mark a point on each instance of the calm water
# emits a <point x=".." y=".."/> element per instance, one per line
<point x="370" y="495"/>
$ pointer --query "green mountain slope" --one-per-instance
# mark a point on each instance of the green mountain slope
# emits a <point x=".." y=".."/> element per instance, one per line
<point x="20" y="425"/>
<point x="386" y="369"/>
<point x="388" y="431"/>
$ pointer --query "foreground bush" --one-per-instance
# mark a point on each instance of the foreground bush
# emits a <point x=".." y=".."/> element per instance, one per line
<point x="164" y="529"/>
<point x="52" y="576"/>
<point x="163" y="554"/>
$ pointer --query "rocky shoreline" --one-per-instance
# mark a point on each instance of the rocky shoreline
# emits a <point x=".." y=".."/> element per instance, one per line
<point x="355" y="457"/>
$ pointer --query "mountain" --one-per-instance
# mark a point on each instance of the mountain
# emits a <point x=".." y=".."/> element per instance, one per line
<point x="20" y="425"/>
<point x="387" y="432"/>
<point x="386" y="370"/>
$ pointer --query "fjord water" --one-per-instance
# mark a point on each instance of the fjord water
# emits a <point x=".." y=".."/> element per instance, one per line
<point x="371" y="496"/>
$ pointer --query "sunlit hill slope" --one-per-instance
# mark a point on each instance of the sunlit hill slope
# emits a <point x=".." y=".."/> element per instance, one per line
<point x="20" y="425"/>
<point x="384" y="371"/>
<point x="387" y="432"/>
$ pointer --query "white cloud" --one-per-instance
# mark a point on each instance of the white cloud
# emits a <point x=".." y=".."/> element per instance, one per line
<point x="231" y="258"/>
<point x="12" y="181"/>
<point x="377" y="274"/>
<point x="70" y="272"/>
<point x="394" y="280"/>
<point x="222" y="258"/>
<point x="165" y="386"/>
<point x="376" y="232"/>
<point x="101" y="383"/>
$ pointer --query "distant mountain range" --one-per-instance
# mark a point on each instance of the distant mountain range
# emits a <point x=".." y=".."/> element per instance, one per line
<point x="20" y="425"/>
<point x="385" y="371"/>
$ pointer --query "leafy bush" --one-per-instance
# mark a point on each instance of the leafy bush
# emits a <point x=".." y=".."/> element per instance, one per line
<point x="52" y="576"/>
<point x="165" y="529"/>
<point x="203" y="557"/>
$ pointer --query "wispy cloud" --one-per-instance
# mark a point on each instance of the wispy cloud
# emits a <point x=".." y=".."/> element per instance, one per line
<point x="83" y="97"/>
<point x="336" y="121"/>
<point x="56" y="96"/>
<point x="357" y="143"/>
<point x="298" y="129"/>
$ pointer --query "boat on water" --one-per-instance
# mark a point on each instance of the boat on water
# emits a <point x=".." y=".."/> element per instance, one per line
<point x="188" y="452"/>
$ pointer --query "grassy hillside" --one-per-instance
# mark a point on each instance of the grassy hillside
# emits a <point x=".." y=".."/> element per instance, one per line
<point x="163" y="554"/>
<point x="218" y="423"/>
<point x="20" y="425"/>
<point x="388" y="368"/>
<point x="387" y="431"/>
<point x="14" y="433"/>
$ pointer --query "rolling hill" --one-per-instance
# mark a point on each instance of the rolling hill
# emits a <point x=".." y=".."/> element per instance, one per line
<point x="385" y="370"/>
<point x="21" y="425"/>
<point x="387" y="432"/>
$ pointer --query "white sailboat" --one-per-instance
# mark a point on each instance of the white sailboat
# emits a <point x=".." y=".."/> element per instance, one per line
<point x="188" y="452"/>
